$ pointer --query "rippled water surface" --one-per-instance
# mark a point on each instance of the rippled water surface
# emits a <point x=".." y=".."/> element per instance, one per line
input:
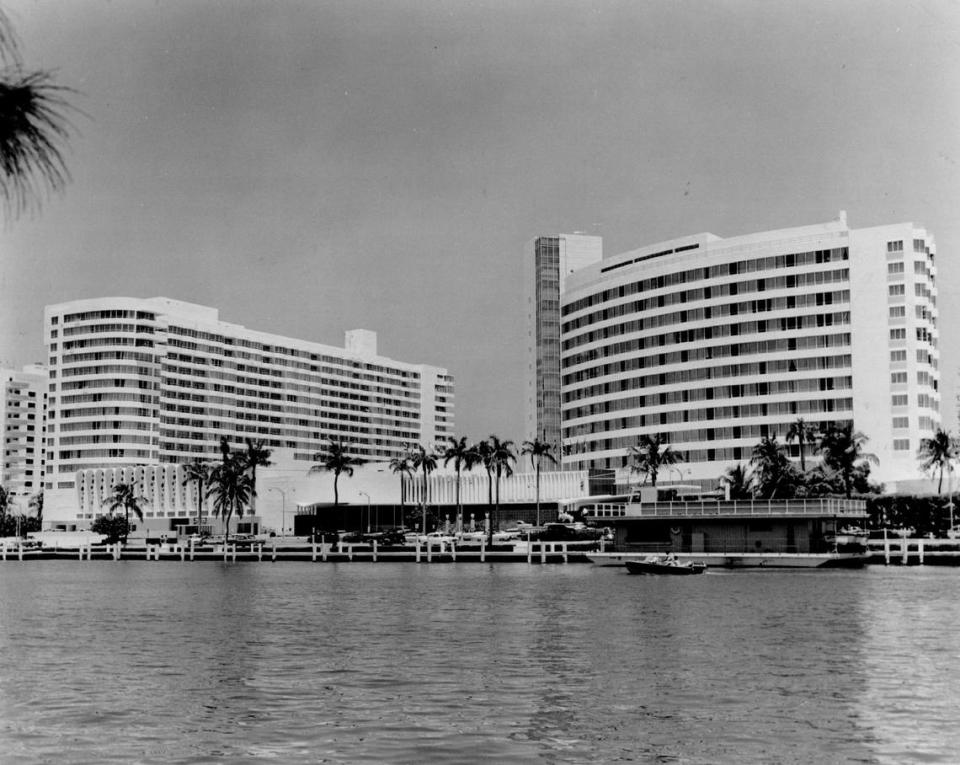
<point x="172" y="662"/>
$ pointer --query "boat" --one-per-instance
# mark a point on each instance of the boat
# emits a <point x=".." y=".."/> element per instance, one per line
<point x="848" y="537"/>
<point x="664" y="565"/>
<point x="614" y="559"/>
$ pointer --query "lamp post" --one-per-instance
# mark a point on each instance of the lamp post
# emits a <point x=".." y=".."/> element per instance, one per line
<point x="364" y="494"/>
<point x="283" y="510"/>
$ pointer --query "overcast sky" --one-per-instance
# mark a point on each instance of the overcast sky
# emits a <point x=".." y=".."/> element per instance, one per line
<point x="313" y="167"/>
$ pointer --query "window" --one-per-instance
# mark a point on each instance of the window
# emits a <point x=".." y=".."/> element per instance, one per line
<point x="901" y="444"/>
<point x="898" y="378"/>
<point x="896" y="246"/>
<point x="895" y="268"/>
<point x="899" y="400"/>
<point x="896" y="356"/>
<point x="898" y="312"/>
<point x="901" y="422"/>
<point x="898" y="334"/>
<point x="895" y="290"/>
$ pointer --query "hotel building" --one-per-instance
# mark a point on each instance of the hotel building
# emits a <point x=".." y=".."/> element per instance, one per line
<point x="714" y="343"/>
<point x="547" y="262"/>
<point x="140" y="387"/>
<point x="21" y="428"/>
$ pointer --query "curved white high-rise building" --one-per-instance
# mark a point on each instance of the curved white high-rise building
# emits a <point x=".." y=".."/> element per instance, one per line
<point x="149" y="382"/>
<point x="714" y="343"/>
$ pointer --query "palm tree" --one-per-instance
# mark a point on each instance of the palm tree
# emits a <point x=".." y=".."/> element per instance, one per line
<point x="5" y="497"/>
<point x="650" y="454"/>
<point x="463" y="456"/>
<point x="938" y="454"/>
<point x="483" y="451"/>
<point x="842" y="450"/>
<point x="402" y="466"/>
<point x="737" y="480"/>
<point x="771" y="466"/>
<point x="499" y="461"/>
<point x="538" y="451"/>
<point x="335" y="458"/>
<point x="803" y="434"/>
<point x="426" y="461"/>
<point x="199" y="472"/>
<point x="231" y="488"/>
<point x="33" y="125"/>
<point x="124" y="497"/>
<point x="256" y="455"/>
<point x="36" y="504"/>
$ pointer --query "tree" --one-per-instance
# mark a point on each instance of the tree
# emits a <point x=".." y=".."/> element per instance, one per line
<point x="113" y="527"/>
<point x="938" y="454"/>
<point x="771" y="468"/>
<point x="499" y="462"/>
<point x="842" y="450"/>
<point x="483" y="451"/>
<point x="649" y="455"/>
<point x="198" y="472"/>
<point x="231" y="488"/>
<point x="463" y="456"/>
<point x="425" y="461"/>
<point x="124" y="498"/>
<point x="5" y="498"/>
<point x="257" y="455"/>
<point x="402" y="466"/>
<point x="335" y="458"/>
<point x="33" y="124"/>
<point x="36" y="505"/>
<point x="738" y="482"/>
<point x="538" y="451"/>
<point x="803" y="434"/>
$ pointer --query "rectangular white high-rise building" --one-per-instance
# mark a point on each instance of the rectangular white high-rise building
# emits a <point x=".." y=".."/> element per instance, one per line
<point x="547" y="262"/>
<point x="22" y="430"/>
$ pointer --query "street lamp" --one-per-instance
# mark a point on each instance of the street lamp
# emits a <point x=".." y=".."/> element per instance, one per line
<point x="364" y="494"/>
<point x="283" y="510"/>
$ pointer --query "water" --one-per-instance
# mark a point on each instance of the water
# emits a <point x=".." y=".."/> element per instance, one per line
<point x="344" y="663"/>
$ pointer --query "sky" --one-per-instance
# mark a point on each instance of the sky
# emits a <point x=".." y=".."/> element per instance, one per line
<point x="313" y="167"/>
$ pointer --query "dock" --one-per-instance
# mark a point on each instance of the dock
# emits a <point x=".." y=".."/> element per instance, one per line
<point x="914" y="551"/>
<point x="323" y="552"/>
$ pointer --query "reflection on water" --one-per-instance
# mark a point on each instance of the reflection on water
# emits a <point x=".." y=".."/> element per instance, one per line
<point x="172" y="662"/>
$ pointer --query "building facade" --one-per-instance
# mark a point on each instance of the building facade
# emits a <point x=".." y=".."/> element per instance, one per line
<point x="547" y="261"/>
<point x="157" y="382"/>
<point x="22" y="402"/>
<point x="714" y="343"/>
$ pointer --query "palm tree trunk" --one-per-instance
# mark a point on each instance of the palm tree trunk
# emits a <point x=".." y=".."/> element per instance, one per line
<point x="538" y="493"/>
<point x="423" y="505"/>
<point x="126" y="528"/>
<point x="459" y="508"/>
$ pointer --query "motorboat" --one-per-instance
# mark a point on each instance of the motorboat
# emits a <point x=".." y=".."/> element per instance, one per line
<point x="664" y="564"/>
<point x="848" y="537"/>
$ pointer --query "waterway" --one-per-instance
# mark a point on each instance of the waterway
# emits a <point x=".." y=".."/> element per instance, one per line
<point x="459" y="663"/>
